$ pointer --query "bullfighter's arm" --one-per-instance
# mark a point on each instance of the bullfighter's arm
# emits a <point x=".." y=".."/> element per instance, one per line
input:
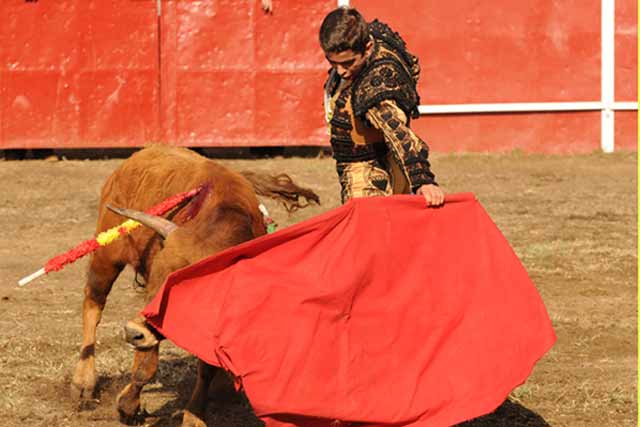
<point x="409" y="151"/>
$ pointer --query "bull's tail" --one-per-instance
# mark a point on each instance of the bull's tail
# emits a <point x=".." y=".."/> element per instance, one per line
<point x="281" y="188"/>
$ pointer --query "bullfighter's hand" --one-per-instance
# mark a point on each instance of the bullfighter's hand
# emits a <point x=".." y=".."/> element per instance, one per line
<point x="267" y="6"/>
<point x="433" y="194"/>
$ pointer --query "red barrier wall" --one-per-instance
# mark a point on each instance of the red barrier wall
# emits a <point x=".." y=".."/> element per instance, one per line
<point x="90" y="73"/>
<point x="237" y="76"/>
<point x="544" y="51"/>
<point x="78" y="74"/>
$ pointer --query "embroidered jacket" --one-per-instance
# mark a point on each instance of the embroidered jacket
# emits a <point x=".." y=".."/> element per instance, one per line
<point x="369" y="117"/>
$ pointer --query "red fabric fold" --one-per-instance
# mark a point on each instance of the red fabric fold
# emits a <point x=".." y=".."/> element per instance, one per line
<point x="381" y="312"/>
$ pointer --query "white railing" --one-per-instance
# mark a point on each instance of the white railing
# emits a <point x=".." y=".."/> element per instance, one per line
<point x="523" y="107"/>
<point x="607" y="105"/>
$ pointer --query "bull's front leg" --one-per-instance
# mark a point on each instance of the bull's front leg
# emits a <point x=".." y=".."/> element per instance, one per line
<point x="145" y="366"/>
<point x="102" y="274"/>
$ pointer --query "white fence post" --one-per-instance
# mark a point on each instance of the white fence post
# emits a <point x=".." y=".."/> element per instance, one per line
<point x="608" y="32"/>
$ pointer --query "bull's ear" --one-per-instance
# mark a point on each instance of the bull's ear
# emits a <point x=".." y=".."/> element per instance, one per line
<point x="160" y="225"/>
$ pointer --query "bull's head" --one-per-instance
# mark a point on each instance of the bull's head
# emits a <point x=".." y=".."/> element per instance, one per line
<point x="139" y="335"/>
<point x="137" y="332"/>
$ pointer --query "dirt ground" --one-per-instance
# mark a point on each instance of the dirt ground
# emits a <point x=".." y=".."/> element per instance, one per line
<point x="572" y="221"/>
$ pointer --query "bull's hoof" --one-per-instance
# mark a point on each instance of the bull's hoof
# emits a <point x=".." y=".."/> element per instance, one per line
<point x="129" y="407"/>
<point x="137" y="419"/>
<point x="83" y="403"/>
<point x="133" y="420"/>
<point x="190" y="420"/>
<point x="81" y="393"/>
<point x="83" y="383"/>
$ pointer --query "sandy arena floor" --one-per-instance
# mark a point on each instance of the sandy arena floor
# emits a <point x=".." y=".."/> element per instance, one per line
<point x="572" y="220"/>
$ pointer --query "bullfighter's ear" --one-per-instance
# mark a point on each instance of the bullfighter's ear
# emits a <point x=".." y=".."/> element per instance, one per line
<point x="160" y="225"/>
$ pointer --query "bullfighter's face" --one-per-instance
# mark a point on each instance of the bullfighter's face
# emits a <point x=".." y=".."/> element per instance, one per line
<point x="348" y="63"/>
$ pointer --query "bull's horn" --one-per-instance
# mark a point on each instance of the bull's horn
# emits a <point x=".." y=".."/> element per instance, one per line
<point x="158" y="224"/>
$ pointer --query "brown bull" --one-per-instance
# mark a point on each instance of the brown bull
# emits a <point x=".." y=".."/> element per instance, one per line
<point x="223" y="214"/>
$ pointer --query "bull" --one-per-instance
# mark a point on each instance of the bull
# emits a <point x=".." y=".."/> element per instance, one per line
<point x="224" y="213"/>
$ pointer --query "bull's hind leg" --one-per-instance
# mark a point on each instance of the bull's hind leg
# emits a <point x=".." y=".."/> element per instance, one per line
<point x="145" y="366"/>
<point x="196" y="408"/>
<point x="102" y="274"/>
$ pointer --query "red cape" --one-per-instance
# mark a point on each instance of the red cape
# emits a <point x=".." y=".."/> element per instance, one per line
<point x="381" y="311"/>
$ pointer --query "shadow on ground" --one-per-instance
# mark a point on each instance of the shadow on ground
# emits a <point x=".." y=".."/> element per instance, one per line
<point x="123" y="153"/>
<point x="509" y="414"/>
<point x="228" y="408"/>
<point x="164" y="399"/>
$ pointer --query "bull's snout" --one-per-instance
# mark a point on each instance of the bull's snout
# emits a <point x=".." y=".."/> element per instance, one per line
<point x="139" y="336"/>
